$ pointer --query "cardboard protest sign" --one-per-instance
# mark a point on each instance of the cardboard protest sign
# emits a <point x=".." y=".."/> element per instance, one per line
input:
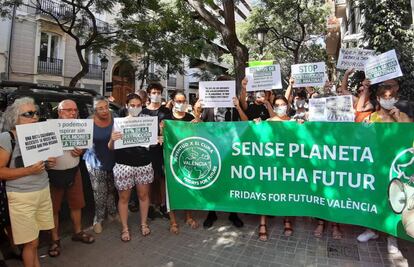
<point x="217" y="94"/>
<point x="383" y="67"/>
<point x="353" y="58"/>
<point x="266" y="77"/>
<point x="137" y="131"/>
<point x="39" y="141"/>
<point x="309" y="74"/>
<point x="336" y="108"/>
<point x="75" y="133"/>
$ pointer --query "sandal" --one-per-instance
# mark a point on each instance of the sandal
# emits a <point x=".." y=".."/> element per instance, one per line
<point x="263" y="235"/>
<point x="319" y="229"/>
<point x="145" y="230"/>
<point x="288" y="230"/>
<point x="192" y="223"/>
<point x="174" y="228"/>
<point x="54" y="249"/>
<point x="125" y="236"/>
<point x="336" y="232"/>
<point x="83" y="237"/>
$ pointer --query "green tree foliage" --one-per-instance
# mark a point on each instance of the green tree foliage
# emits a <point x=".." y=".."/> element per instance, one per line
<point x="294" y="31"/>
<point x="386" y="27"/>
<point x="163" y="33"/>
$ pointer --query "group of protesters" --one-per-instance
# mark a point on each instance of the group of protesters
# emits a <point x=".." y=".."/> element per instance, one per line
<point x="31" y="197"/>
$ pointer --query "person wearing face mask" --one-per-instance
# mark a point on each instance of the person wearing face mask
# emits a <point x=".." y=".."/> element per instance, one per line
<point x="155" y="108"/>
<point x="281" y="106"/>
<point x="387" y="111"/>
<point x="300" y="106"/>
<point x="260" y="108"/>
<point x="133" y="168"/>
<point x="179" y="113"/>
<point x="280" y="110"/>
<point x="221" y="115"/>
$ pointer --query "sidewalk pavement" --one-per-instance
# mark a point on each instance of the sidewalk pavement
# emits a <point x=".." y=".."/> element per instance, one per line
<point x="225" y="245"/>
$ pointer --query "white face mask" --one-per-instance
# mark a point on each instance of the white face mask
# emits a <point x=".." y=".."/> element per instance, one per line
<point x="299" y="104"/>
<point x="180" y="107"/>
<point x="280" y="111"/>
<point x="155" y="98"/>
<point x="388" y="103"/>
<point x="134" y="112"/>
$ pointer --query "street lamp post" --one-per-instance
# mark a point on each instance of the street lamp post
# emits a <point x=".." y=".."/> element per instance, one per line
<point x="104" y="66"/>
<point x="261" y="36"/>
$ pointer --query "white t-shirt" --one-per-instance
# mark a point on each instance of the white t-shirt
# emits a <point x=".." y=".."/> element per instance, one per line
<point x="66" y="161"/>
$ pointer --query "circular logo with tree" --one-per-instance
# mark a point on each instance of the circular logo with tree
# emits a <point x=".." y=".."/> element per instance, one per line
<point x="402" y="166"/>
<point x="195" y="162"/>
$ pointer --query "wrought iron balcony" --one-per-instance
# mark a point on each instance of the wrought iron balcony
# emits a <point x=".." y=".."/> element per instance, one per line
<point x="46" y="65"/>
<point x="64" y="11"/>
<point x="95" y="72"/>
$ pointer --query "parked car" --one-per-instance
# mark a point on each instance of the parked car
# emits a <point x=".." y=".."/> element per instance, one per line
<point x="47" y="98"/>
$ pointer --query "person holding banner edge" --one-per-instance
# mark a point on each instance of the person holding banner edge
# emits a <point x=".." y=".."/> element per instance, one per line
<point x="133" y="168"/>
<point x="28" y="193"/>
<point x="220" y="115"/>
<point x="387" y="97"/>
<point x="179" y="113"/>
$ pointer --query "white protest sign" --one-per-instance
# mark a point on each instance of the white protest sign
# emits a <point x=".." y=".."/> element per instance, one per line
<point x="353" y="58"/>
<point x="309" y="74"/>
<point x="217" y="94"/>
<point x="336" y="108"/>
<point x="317" y="109"/>
<point x="263" y="78"/>
<point x="75" y="133"/>
<point x="39" y="141"/>
<point x="136" y="131"/>
<point x="383" y="67"/>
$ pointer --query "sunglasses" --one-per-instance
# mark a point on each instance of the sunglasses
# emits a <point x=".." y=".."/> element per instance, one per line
<point x="30" y="114"/>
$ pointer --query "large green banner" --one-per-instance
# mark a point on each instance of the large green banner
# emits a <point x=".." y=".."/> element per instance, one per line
<point x="350" y="173"/>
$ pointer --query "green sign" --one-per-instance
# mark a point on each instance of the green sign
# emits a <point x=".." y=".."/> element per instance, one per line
<point x="336" y="171"/>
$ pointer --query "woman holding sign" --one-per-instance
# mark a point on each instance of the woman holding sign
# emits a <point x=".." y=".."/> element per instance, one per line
<point x="27" y="188"/>
<point x="133" y="168"/>
<point x="179" y="113"/>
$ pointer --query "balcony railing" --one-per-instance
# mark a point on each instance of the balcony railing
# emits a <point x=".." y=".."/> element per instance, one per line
<point x="64" y="11"/>
<point x="49" y="66"/>
<point x="95" y="72"/>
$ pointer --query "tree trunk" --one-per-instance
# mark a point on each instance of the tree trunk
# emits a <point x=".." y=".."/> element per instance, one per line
<point x="83" y="71"/>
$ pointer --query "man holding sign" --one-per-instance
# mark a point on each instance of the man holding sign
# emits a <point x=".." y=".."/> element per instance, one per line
<point x="65" y="180"/>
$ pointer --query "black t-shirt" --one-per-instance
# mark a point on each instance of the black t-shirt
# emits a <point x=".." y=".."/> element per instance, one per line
<point x="157" y="160"/>
<point x="257" y="111"/>
<point x="187" y="117"/>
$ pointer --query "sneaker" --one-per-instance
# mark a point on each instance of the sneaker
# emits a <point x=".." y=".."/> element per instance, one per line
<point x="97" y="228"/>
<point x="392" y="245"/>
<point x="236" y="220"/>
<point x="367" y="235"/>
<point x="211" y="218"/>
